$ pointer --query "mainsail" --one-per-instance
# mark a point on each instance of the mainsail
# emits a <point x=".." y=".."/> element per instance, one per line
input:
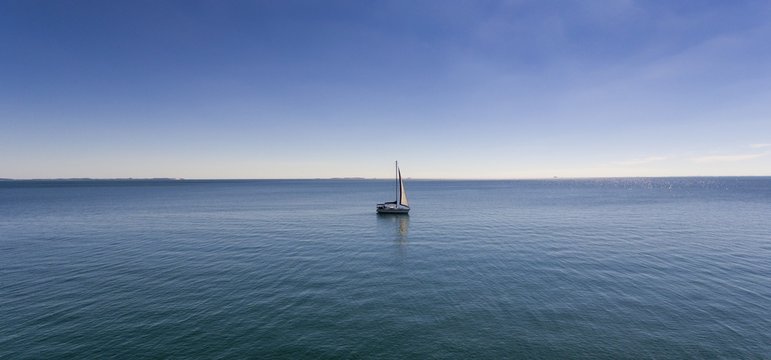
<point x="402" y="194"/>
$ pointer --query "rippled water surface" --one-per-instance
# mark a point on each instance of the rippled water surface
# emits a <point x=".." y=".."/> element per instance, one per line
<point x="614" y="268"/>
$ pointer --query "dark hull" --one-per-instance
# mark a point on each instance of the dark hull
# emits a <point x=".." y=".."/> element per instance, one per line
<point x="392" y="211"/>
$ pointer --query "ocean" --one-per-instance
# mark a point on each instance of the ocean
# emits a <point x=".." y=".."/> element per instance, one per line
<point x="635" y="268"/>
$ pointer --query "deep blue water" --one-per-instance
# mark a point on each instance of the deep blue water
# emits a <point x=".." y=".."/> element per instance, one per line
<point x="612" y="268"/>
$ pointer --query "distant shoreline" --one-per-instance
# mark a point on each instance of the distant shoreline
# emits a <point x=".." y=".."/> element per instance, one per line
<point x="94" y="179"/>
<point x="364" y="178"/>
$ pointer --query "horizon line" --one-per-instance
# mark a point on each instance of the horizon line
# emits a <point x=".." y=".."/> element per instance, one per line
<point x="354" y="178"/>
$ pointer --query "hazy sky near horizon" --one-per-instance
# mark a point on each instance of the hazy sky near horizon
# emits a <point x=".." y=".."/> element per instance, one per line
<point x="451" y="89"/>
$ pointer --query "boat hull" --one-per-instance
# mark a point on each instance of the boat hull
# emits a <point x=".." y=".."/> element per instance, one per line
<point x="392" y="208"/>
<point x="392" y="211"/>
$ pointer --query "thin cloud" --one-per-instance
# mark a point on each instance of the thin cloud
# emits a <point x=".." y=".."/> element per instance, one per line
<point x="760" y="146"/>
<point x="729" y="158"/>
<point x="646" y="160"/>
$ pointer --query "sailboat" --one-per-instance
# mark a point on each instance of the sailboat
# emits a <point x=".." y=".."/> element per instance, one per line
<point x="401" y="205"/>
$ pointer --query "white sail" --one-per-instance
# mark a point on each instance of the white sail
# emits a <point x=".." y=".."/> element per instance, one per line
<point x="402" y="194"/>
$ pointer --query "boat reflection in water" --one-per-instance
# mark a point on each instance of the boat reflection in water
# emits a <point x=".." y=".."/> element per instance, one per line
<point x="397" y="227"/>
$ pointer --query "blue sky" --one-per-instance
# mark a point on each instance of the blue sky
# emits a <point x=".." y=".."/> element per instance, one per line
<point x="452" y="89"/>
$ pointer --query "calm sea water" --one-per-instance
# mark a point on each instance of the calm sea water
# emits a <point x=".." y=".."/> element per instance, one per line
<point x="614" y="268"/>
